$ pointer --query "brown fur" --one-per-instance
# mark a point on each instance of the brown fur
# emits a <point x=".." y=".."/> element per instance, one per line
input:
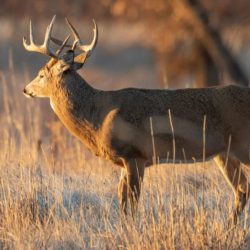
<point x="115" y="125"/>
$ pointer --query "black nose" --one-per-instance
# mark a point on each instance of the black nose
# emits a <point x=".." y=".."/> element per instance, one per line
<point x="24" y="91"/>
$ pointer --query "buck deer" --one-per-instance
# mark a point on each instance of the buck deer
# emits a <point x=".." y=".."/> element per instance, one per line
<point x="135" y="127"/>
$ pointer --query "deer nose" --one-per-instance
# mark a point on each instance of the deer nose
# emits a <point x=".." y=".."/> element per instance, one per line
<point x="24" y="91"/>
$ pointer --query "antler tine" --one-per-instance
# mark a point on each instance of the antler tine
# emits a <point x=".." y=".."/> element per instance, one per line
<point x="86" y="48"/>
<point x="44" y="48"/>
<point x="75" y="34"/>
<point x="26" y="46"/>
<point x="31" y="33"/>
<point x="92" y="45"/>
<point x="48" y="35"/>
<point x="59" y="42"/>
<point x="63" y="45"/>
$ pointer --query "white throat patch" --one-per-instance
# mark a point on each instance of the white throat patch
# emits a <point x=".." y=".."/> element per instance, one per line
<point x="52" y="105"/>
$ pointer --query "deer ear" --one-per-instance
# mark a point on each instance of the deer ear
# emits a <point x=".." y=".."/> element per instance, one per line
<point x="74" y="62"/>
<point x="66" y="62"/>
<point x="79" y="61"/>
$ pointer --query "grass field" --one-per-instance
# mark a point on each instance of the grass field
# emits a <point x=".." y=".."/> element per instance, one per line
<point x="55" y="195"/>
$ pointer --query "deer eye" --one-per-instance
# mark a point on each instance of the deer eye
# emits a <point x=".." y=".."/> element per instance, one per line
<point x="41" y="76"/>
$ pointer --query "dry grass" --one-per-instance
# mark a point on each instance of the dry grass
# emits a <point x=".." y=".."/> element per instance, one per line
<point x="55" y="195"/>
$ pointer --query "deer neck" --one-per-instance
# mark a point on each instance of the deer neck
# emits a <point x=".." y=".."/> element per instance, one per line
<point x="72" y="102"/>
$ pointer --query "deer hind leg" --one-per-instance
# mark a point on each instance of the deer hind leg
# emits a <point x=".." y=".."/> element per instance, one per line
<point x="231" y="170"/>
<point x="129" y="187"/>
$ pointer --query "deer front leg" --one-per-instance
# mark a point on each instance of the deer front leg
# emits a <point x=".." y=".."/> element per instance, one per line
<point x="129" y="187"/>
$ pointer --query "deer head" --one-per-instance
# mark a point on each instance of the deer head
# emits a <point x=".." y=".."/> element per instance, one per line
<point x="60" y="65"/>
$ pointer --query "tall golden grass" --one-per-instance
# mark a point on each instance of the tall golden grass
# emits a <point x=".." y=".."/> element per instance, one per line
<point x="55" y="195"/>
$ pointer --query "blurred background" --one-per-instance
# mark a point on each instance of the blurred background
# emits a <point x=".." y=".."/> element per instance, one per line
<point x="144" y="44"/>
<point x="160" y="43"/>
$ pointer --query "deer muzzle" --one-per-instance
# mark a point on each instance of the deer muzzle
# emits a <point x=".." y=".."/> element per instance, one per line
<point x="28" y="94"/>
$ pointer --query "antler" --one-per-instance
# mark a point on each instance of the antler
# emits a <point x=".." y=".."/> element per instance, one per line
<point x="47" y="50"/>
<point x="44" y="48"/>
<point x="88" y="49"/>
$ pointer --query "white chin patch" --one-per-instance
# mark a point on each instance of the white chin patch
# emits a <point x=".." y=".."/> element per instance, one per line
<point x="27" y="95"/>
<point x="52" y="105"/>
